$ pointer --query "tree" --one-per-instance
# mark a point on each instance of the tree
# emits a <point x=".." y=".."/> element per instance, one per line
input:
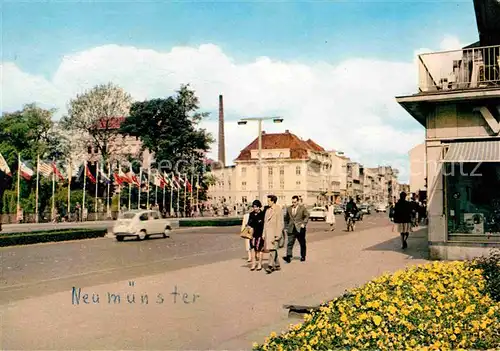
<point x="95" y="116"/>
<point x="169" y="128"/>
<point x="31" y="133"/>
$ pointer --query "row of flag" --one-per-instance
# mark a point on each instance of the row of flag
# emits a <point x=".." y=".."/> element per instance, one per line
<point x="146" y="177"/>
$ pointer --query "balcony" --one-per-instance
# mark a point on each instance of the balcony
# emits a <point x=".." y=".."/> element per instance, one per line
<point x="469" y="68"/>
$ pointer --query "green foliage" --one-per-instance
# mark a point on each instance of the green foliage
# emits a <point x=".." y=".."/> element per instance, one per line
<point x="490" y="266"/>
<point x="50" y="236"/>
<point x="9" y="201"/>
<point x="170" y="129"/>
<point x="29" y="132"/>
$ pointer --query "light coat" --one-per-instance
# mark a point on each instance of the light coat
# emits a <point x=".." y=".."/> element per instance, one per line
<point x="273" y="226"/>
<point x="243" y="226"/>
<point x="330" y="216"/>
<point x="300" y="219"/>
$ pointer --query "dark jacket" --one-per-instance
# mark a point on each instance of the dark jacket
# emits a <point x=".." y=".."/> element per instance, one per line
<point x="403" y="212"/>
<point x="256" y="221"/>
<point x="351" y="207"/>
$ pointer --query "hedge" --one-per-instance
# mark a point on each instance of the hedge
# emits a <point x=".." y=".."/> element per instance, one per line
<point x="226" y="222"/>
<point x="27" y="238"/>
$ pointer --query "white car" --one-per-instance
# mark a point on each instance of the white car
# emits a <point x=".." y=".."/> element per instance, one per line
<point x="380" y="208"/>
<point x="317" y="213"/>
<point x="141" y="224"/>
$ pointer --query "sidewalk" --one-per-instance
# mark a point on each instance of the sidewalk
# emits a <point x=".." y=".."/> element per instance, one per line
<point x="235" y="306"/>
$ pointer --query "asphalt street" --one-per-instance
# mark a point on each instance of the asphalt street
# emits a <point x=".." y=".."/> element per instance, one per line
<point x="42" y="269"/>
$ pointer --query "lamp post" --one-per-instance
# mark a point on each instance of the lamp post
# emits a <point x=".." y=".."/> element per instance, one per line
<point x="244" y="121"/>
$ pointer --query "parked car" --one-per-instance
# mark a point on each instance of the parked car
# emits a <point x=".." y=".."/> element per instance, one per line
<point x="317" y="213"/>
<point x="365" y="209"/>
<point x="141" y="224"/>
<point x="338" y="209"/>
<point x="381" y="208"/>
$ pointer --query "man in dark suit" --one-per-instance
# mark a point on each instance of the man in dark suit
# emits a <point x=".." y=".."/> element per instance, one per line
<point x="296" y="219"/>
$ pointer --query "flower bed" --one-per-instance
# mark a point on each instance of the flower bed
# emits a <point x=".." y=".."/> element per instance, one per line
<point x="434" y="306"/>
<point x="27" y="238"/>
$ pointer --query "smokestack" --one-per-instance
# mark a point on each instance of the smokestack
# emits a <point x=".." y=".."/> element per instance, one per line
<point x="222" y="143"/>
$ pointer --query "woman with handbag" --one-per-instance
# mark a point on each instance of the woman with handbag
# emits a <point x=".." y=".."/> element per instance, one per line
<point x="256" y="222"/>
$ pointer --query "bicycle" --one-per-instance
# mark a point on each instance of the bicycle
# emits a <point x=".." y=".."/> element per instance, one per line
<point x="350" y="222"/>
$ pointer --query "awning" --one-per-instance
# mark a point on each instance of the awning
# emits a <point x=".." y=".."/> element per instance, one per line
<point x="474" y="151"/>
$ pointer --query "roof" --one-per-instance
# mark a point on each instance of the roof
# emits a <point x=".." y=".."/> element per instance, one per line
<point x="488" y="25"/>
<point x="110" y="122"/>
<point x="298" y="148"/>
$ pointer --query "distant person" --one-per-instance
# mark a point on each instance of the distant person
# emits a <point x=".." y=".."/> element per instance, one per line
<point x="296" y="218"/>
<point x="273" y="232"/>
<point x="330" y="216"/>
<point x="256" y="222"/>
<point x="403" y="218"/>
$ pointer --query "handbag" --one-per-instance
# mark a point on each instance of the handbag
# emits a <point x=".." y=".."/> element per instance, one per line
<point x="246" y="233"/>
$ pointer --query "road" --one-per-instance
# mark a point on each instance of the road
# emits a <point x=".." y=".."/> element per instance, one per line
<point x="42" y="269"/>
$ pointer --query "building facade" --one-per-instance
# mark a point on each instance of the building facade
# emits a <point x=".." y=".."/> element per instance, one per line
<point x="418" y="169"/>
<point x="459" y="105"/>
<point x="292" y="166"/>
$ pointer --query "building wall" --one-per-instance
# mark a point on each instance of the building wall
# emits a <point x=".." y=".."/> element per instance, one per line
<point x="447" y="123"/>
<point x="417" y="168"/>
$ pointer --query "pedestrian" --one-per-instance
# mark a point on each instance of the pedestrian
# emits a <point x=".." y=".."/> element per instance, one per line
<point x="330" y="216"/>
<point x="256" y="222"/>
<point x="273" y="232"/>
<point x="296" y="219"/>
<point x="403" y="217"/>
<point x="244" y="224"/>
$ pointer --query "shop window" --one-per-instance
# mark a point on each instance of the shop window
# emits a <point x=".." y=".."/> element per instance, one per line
<point x="472" y="198"/>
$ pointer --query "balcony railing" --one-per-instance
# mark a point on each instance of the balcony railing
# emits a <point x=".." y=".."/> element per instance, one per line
<point x="470" y="68"/>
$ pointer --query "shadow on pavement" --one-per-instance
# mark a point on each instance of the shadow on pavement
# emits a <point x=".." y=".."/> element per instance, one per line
<point x="417" y="244"/>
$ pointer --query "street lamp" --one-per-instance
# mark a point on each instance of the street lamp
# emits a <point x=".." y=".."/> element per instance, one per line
<point x="244" y="121"/>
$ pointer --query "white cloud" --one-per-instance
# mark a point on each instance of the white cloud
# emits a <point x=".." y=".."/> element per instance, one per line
<point x="348" y="106"/>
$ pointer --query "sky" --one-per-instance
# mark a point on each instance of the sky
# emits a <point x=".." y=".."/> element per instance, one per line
<point x="332" y="69"/>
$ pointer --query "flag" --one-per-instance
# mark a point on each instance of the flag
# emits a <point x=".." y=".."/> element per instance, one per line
<point x="4" y="167"/>
<point x="122" y="177"/>
<point x="188" y="185"/>
<point x="45" y="169"/>
<point x="26" y="172"/>
<point x="159" y="181"/>
<point x="132" y="178"/>
<point x="104" y="178"/>
<point x="119" y="180"/>
<point x="175" y="181"/>
<point x="57" y="172"/>
<point x="89" y="174"/>
<point x="166" y="179"/>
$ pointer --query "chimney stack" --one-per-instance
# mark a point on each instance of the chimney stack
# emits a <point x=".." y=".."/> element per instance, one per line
<point x="222" y="144"/>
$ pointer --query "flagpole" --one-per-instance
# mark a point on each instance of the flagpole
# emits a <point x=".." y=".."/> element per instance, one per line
<point x="147" y="188"/>
<point x="185" y="194"/>
<point x="119" y="188"/>
<point x="108" y="212"/>
<point x="140" y="185"/>
<point x="96" y="188"/>
<point x="70" y="174"/>
<point x="18" y="184"/>
<point x="192" y="184"/>
<point x="198" y="193"/>
<point x="129" y="195"/>
<point x="53" y="193"/>
<point x="156" y="188"/>
<point x="164" y="186"/>
<point x="172" y="195"/>
<point x="84" y="186"/>
<point x="37" y="188"/>
<point x="178" y="198"/>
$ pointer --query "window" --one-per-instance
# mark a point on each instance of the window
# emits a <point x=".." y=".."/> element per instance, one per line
<point x="297" y="170"/>
<point x="297" y="184"/>
<point x="270" y="170"/>
<point x="244" y="185"/>
<point x="270" y="184"/>
<point x="155" y="215"/>
<point x="243" y="171"/>
<point x="143" y="217"/>
<point x="282" y="184"/>
<point x="244" y="199"/>
<point x="89" y="149"/>
<point x="472" y="198"/>
<point x="282" y="171"/>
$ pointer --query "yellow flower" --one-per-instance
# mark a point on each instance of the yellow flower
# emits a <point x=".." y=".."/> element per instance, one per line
<point x="377" y="320"/>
